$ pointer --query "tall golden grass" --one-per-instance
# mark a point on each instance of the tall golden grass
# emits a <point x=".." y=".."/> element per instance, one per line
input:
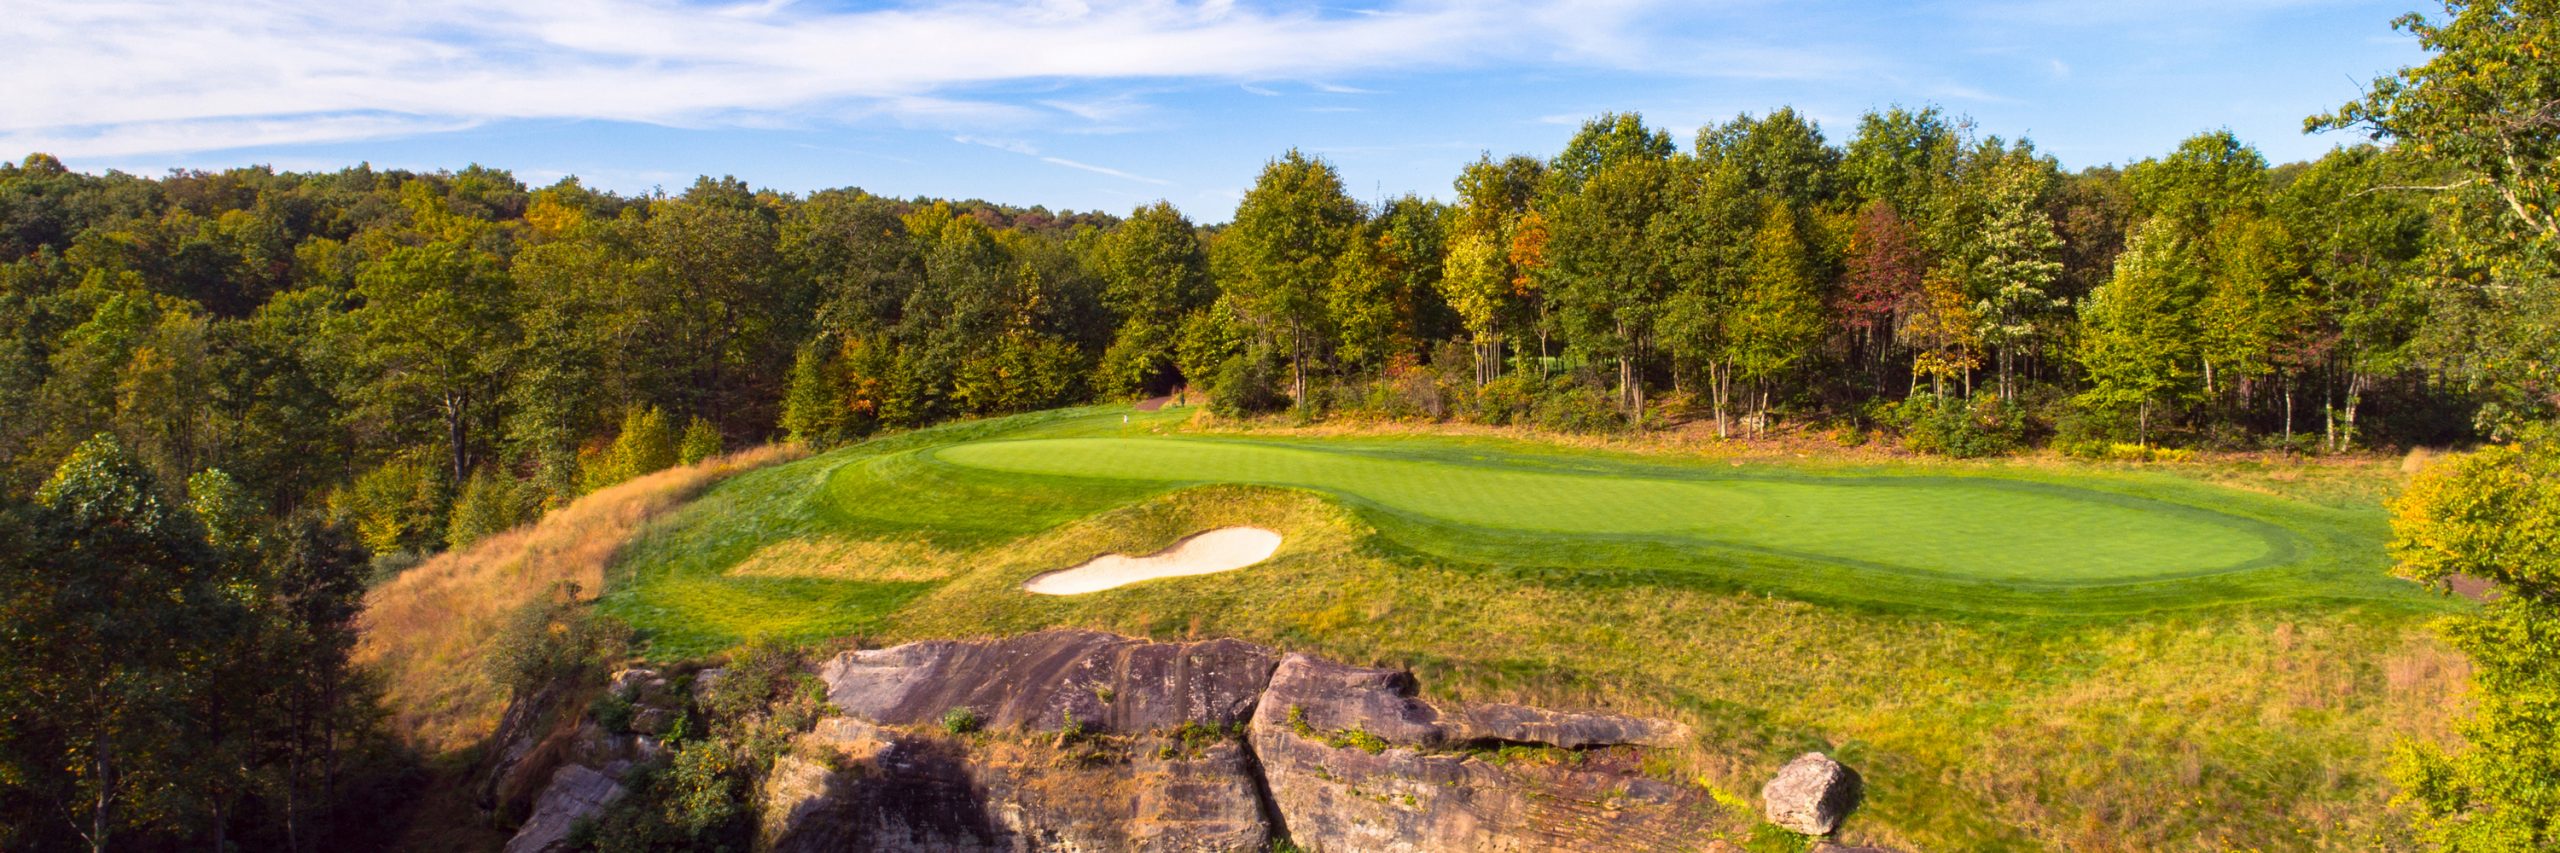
<point x="427" y="632"/>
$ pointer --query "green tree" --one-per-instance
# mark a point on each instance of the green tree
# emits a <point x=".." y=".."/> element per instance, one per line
<point x="1778" y="318"/>
<point x="430" y="337"/>
<point x="111" y="603"/>
<point x="2482" y="110"/>
<point x="2363" y="251"/>
<point x="2019" y="264"/>
<point x="2137" y="333"/>
<point x="1780" y="157"/>
<point x="1479" y="280"/>
<point x="701" y="441"/>
<point x="1610" y="276"/>
<point x="1605" y="141"/>
<point x="2493" y="515"/>
<point x="1904" y="158"/>
<point x="1289" y="231"/>
<point x="646" y="445"/>
<point x="398" y="507"/>
<point x="1154" y="271"/>
<point x="492" y="502"/>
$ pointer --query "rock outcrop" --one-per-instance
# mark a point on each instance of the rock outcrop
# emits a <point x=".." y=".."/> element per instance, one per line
<point x="582" y="764"/>
<point x="1080" y="740"/>
<point x="1355" y="762"/>
<point x="1104" y="682"/>
<point x="575" y="793"/>
<point x="853" y="785"/>
<point x="1811" y="794"/>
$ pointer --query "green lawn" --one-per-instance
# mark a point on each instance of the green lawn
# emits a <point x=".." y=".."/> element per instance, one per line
<point x="2017" y="655"/>
<point x="1960" y="527"/>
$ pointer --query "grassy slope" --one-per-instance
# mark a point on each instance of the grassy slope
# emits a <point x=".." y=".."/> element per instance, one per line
<point x="428" y="632"/>
<point x="2248" y="709"/>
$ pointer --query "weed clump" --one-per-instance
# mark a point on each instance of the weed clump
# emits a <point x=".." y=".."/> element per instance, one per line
<point x="961" y="720"/>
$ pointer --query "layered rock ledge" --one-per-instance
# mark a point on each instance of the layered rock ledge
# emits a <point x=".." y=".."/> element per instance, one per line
<point x="1081" y="740"/>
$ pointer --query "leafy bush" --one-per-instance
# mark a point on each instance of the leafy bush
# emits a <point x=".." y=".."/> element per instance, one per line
<point x="492" y="502"/>
<point x="556" y="638"/>
<point x="1506" y="400"/>
<point x="960" y="721"/>
<point x="1959" y="427"/>
<point x="397" y="507"/>
<point x="613" y="711"/>
<point x="1568" y="406"/>
<point x="2119" y="451"/>
<point x="1247" y="384"/>
<point x="701" y="441"/>
<point x="646" y="444"/>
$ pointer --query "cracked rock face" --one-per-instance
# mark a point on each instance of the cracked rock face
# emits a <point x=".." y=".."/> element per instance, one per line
<point x="1354" y="761"/>
<point x="575" y="793"/>
<point x="1109" y="683"/>
<point x="1811" y="794"/>
<point x="1220" y="745"/>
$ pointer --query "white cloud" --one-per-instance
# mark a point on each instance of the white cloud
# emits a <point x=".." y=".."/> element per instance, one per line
<point x="110" y="77"/>
<point x="1104" y="170"/>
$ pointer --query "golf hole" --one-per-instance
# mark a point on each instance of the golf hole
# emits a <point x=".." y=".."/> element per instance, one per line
<point x="1209" y="552"/>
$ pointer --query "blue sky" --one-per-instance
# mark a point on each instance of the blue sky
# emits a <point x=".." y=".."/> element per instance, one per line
<point x="1107" y="105"/>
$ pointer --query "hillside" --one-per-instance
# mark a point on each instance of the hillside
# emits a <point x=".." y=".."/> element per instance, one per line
<point x="2247" y="703"/>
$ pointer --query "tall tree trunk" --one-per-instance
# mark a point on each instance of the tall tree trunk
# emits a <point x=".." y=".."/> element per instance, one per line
<point x="1720" y="382"/>
<point x="2355" y="397"/>
<point x="1297" y="364"/>
<point x="456" y="431"/>
<point x="2288" y="410"/>
<point x="2004" y="373"/>
<point x="104" y="775"/>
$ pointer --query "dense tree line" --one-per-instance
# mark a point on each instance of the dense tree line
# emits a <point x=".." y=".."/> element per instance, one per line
<point x="387" y="344"/>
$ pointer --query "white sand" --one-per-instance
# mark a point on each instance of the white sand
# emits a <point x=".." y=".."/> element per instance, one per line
<point x="1225" y="549"/>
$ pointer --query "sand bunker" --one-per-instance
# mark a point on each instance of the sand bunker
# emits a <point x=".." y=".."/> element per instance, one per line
<point x="1220" y="550"/>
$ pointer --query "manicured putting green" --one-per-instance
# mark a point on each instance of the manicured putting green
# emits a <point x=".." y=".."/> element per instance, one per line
<point x="1973" y="528"/>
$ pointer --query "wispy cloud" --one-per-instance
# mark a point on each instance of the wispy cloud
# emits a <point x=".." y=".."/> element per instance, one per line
<point x="158" y="76"/>
<point x="1028" y="150"/>
<point x="1104" y="170"/>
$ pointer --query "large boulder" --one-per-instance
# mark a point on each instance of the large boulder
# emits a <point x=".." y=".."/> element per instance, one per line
<point x="576" y="793"/>
<point x="1353" y="761"/>
<point x="854" y="786"/>
<point x="1105" y="682"/>
<point x="1811" y="794"/>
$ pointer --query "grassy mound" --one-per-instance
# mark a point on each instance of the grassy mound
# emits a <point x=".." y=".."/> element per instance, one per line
<point x="1976" y="638"/>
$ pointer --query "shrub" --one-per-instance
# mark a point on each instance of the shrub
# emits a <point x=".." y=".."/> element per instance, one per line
<point x="397" y="507"/>
<point x="491" y="502"/>
<point x="1247" y="384"/>
<point x="1569" y="406"/>
<point x="701" y="441"/>
<point x="1960" y="427"/>
<point x="961" y="720"/>
<point x="646" y="444"/>
<point x="1506" y="400"/>
<point x="553" y="639"/>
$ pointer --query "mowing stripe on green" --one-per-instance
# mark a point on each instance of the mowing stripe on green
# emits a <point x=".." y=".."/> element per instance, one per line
<point x="1972" y="528"/>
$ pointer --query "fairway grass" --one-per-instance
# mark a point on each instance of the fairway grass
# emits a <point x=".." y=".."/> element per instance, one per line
<point x="2016" y="656"/>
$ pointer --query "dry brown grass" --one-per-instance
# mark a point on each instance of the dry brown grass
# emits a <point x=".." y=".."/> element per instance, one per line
<point x="426" y="632"/>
